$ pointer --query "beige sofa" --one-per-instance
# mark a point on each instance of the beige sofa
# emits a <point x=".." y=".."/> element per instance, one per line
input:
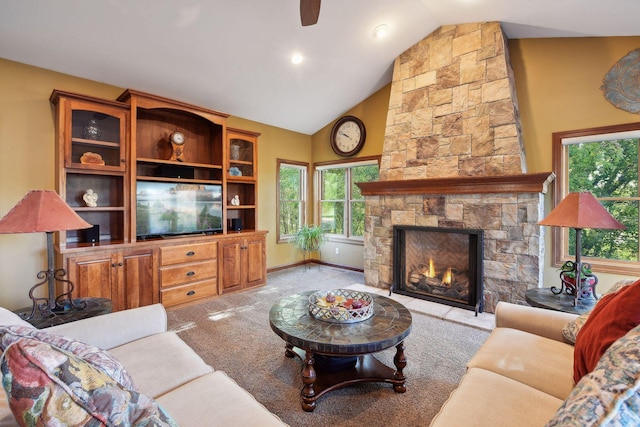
<point x="519" y="377"/>
<point x="163" y="367"/>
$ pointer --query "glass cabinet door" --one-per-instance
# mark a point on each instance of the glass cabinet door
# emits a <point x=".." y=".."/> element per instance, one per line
<point x="241" y="158"/>
<point x="97" y="139"/>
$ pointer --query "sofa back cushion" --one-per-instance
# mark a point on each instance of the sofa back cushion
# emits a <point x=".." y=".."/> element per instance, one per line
<point x="613" y="316"/>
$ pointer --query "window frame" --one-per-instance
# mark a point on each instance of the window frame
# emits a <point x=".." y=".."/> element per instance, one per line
<point x="340" y="164"/>
<point x="303" y="167"/>
<point x="560" y="159"/>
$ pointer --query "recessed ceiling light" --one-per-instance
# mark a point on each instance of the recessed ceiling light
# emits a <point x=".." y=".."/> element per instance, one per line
<point x="296" y="59"/>
<point x="380" y="31"/>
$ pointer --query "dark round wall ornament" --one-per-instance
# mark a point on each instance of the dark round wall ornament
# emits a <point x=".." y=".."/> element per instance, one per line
<point x="621" y="85"/>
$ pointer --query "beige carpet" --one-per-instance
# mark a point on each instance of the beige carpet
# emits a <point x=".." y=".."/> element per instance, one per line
<point x="232" y="334"/>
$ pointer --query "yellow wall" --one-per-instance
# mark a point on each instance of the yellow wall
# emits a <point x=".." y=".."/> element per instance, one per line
<point x="558" y="88"/>
<point x="27" y="162"/>
<point x="373" y="113"/>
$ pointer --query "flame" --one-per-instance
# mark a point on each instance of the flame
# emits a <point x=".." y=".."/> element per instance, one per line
<point x="431" y="272"/>
<point x="448" y="277"/>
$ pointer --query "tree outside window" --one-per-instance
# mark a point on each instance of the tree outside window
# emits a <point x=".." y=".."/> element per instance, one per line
<point x="604" y="162"/>
<point x="341" y="204"/>
<point x="292" y="185"/>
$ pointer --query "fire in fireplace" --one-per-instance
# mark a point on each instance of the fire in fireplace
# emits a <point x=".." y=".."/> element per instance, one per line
<point x="439" y="264"/>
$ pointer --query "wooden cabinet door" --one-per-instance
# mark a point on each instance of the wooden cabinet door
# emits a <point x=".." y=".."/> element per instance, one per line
<point x="137" y="283"/>
<point x="230" y="258"/>
<point x="93" y="275"/>
<point x="256" y="261"/>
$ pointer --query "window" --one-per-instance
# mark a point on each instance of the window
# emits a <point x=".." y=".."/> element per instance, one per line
<point x="604" y="162"/>
<point x="340" y="204"/>
<point x="292" y="197"/>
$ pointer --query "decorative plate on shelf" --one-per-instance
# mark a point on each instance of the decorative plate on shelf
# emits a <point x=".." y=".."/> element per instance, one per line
<point x="234" y="171"/>
<point x="341" y="306"/>
<point x="90" y="158"/>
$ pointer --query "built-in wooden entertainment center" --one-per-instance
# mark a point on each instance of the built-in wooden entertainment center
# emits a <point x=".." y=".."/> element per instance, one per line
<point x="168" y="226"/>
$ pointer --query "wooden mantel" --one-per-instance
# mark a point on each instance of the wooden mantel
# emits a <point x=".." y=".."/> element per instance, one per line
<point x="523" y="183"/>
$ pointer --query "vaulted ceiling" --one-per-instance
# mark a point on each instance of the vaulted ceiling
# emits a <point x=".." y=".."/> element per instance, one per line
<point x="235" y="56"/>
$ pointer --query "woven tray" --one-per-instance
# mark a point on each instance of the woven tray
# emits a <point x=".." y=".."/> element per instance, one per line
<point x="339" y="311"/>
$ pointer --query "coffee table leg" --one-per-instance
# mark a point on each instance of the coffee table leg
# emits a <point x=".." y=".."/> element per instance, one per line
<point x="400" y="360"/>
<point x="288" y="351"/>
<point x="308" y="378"/>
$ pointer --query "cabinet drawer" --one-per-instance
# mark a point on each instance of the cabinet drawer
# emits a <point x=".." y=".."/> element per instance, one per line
<point x="190" y="292"/>
<point x="187" y="253"/>
<point x="186" y="273"/>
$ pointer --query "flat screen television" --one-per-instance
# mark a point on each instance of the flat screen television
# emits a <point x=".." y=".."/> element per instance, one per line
<point x="172" y="209"/>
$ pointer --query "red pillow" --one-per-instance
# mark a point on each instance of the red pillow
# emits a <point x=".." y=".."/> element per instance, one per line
<point x="612" y="317"/>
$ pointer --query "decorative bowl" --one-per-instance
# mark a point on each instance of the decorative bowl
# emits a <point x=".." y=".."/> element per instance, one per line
<point x="340" y="307"/>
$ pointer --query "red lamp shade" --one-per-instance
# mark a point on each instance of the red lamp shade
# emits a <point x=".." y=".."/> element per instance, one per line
<point x="41" y="211"/>
<point x="581" y="210"/>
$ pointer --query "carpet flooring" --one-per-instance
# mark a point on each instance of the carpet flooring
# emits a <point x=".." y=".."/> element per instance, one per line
<point x="232" y="334"/>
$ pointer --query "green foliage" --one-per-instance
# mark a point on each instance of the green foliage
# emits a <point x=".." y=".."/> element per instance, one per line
<point x="309" y="238"/>
<point x="609" y="170"/>
<point x="290" y="200"/>
<point x="336" y="206"/>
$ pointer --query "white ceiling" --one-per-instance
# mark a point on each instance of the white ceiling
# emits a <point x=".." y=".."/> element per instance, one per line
<point x="234" y="55"/>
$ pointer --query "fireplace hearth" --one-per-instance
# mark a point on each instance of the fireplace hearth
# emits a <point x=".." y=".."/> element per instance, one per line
<point x="439" y="264"/>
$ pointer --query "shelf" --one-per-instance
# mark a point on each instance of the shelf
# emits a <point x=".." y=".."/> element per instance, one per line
<point x="100" y="209"/>
<point x="172" y="162"/>
<point x="95" y="142"/>
<point x="184" y="180"/>
<point x="231" y="207"/>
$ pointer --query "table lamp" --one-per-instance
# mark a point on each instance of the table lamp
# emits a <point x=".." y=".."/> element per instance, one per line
<point x="578" y="211"/>
<point x="44" y="211"/>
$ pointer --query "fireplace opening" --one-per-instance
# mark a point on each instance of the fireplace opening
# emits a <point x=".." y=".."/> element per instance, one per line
<point x="439" y="264"/>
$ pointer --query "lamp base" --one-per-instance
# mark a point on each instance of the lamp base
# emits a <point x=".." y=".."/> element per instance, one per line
<point x="577" y="280"/>
<point x="52" y="305"/>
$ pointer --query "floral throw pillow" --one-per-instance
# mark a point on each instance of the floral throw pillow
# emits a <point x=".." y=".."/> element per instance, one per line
<point x="100" y="359"/>
<point x="571" y="329"/>
<point x="610" y="394"/>
<point x="46" y="385"/>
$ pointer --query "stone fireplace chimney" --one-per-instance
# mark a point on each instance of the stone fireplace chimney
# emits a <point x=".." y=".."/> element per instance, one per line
<point x="453" y="109"/>
<point x="453" y="156"/>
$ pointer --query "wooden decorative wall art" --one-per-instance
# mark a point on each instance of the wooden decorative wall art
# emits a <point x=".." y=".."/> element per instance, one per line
<point x="621" y="85"/>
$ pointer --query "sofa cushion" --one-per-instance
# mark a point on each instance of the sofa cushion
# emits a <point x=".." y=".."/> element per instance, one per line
<point x="174" y="362"/>
<point x="50" y="386"/>
<point x="485" y="398"/>
<point x="10" y="318"/>
<point x="571" y="329"/>
<point x="100" y="359"/>
<point x="610" y="394"/>
<point x="536" y="361"/>
<point x="613" y="316"/>
<point x="216" y="397"/>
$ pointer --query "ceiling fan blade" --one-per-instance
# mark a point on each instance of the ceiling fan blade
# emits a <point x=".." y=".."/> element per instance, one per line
<point x="309" y="12"/>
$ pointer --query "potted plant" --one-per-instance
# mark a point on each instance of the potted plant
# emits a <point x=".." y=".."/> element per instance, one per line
<point x="309" y="238"/>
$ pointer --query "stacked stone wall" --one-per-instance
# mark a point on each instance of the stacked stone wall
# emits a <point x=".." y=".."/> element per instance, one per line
<point x="453" y="112"/>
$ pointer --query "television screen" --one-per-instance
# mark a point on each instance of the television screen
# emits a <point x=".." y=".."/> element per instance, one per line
<point x="164" y="209"/>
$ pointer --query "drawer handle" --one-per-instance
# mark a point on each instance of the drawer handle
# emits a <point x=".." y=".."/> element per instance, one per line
<point x="191" y="253"/>
<point x="191" y="273"/>
<point x="190" y="293"/>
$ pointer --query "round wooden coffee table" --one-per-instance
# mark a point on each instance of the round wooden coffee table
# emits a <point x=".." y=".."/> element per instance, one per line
<point x="336" y="355"/>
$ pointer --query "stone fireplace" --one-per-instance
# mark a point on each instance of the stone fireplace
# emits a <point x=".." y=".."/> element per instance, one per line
<point x="453" y="157"/>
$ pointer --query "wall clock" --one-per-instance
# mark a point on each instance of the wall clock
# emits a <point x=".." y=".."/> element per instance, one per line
<point x="347" y="136"/>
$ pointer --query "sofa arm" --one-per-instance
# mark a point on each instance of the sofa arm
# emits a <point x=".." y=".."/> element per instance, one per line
<point x="115" y="329"/>
<point x="539" y="321"/>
